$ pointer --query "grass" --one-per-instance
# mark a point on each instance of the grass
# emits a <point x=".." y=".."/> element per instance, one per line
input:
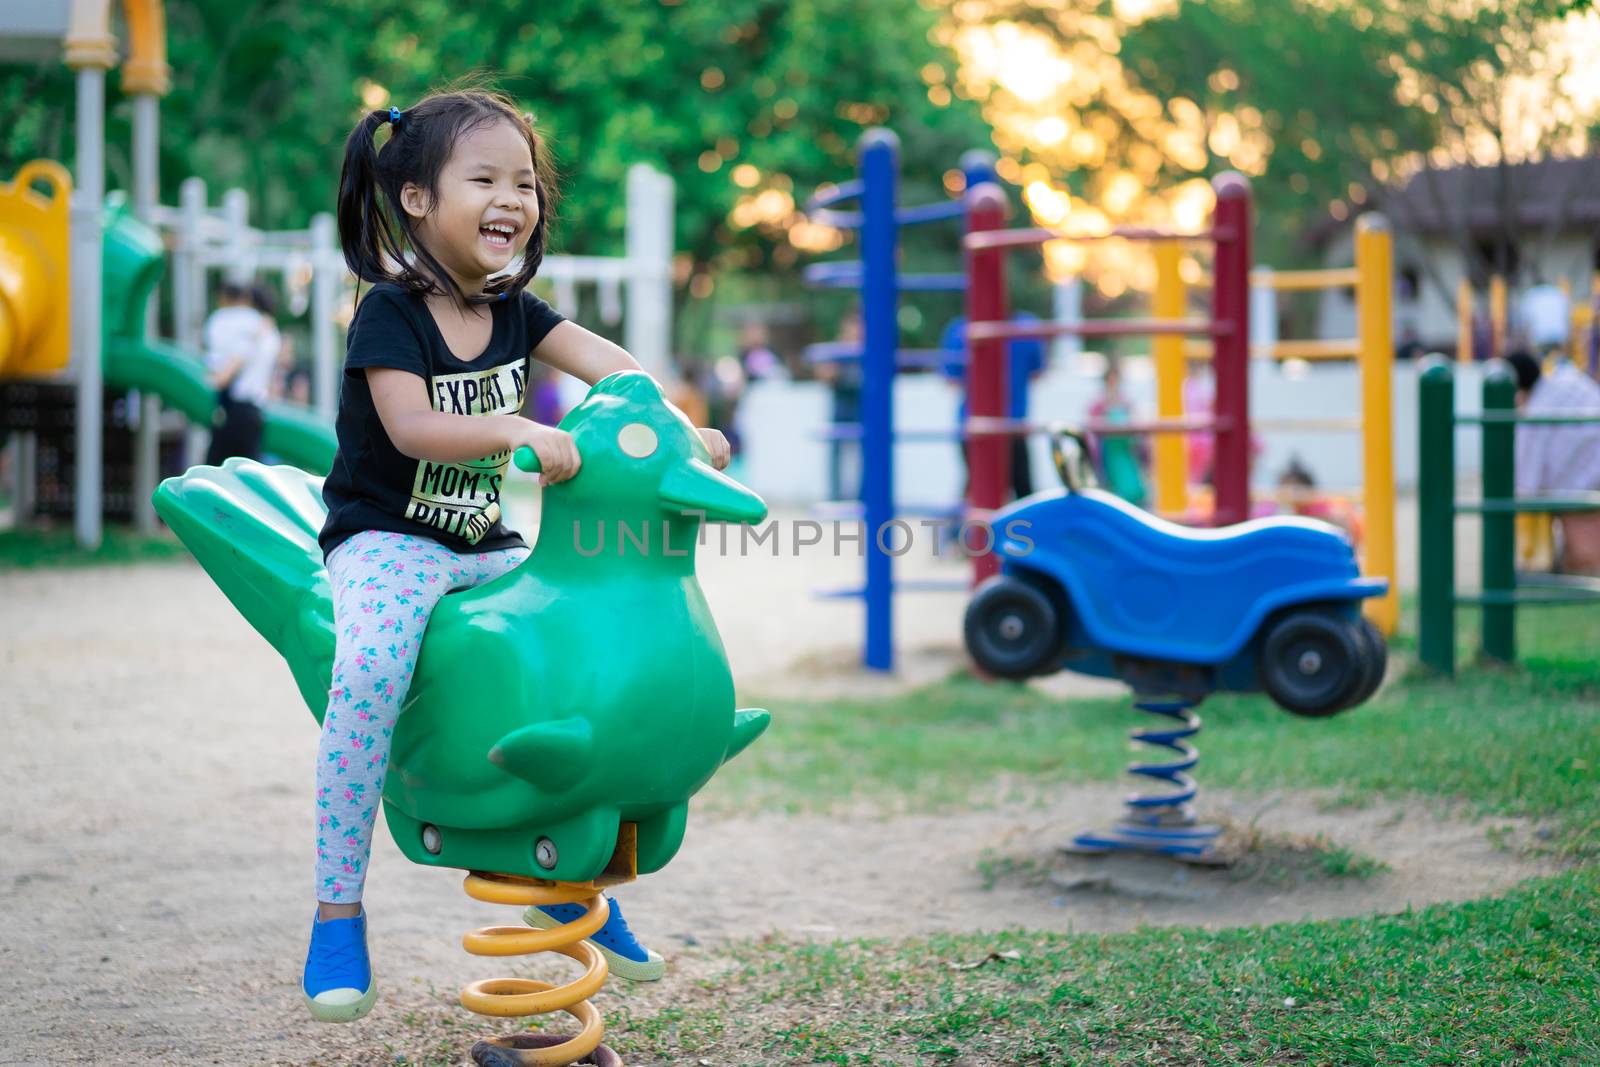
<point x="1495" y="981"/>
<point x="1515" y="742"/>
<point x="1499" y="981"/>
<point x="38" y="548"/>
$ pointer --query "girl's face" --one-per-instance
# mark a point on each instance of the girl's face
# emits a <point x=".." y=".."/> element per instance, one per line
<point x="485" y="207"/>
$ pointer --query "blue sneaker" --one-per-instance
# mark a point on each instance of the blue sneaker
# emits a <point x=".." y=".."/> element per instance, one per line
<point x="338" y="981"/>
<point x="624" y="955"/>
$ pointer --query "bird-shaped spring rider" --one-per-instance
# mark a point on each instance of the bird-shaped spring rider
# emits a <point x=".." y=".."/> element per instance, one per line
<point x="561" y="716"/>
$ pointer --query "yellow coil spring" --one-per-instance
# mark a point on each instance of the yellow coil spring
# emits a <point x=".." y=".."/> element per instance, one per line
<point x="519" y="997"/>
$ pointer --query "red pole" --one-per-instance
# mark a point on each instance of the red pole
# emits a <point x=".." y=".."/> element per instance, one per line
<point x="1230" y="339"/>
<point x="988" y="457"/>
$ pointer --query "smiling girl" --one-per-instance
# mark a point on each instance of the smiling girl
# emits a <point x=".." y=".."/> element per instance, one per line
<point x="437" y="373"/>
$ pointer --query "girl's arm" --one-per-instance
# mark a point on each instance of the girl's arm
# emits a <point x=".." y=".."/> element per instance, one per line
<point x="225" y="374"/>
<point x="571" y="348"/>
<point x="420" y="432"/>
<point x="582" y="354"/>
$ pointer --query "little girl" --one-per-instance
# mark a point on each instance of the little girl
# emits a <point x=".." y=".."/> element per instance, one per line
<point x="436" y="374"/>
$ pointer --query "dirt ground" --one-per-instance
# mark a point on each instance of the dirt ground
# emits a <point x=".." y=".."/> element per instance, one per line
<point x="155" y="845"/>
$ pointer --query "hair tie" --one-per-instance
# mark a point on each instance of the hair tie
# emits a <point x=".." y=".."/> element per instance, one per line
<point x="394" y="115"/>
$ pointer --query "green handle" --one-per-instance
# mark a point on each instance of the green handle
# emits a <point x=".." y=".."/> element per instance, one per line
<point x="526" y="459"/>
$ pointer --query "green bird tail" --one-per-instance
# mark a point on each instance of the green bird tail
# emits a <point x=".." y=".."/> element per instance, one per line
<point x="254" y="530"/>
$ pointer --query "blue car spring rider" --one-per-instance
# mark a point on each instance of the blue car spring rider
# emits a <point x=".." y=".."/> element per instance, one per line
<point x="1092" y="584"/>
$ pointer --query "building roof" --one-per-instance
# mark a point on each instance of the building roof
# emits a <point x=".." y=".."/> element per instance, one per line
<point x="1442" y="200"/>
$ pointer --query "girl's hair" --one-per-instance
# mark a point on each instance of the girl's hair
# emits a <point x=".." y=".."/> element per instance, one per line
<point x="377" y="234"/>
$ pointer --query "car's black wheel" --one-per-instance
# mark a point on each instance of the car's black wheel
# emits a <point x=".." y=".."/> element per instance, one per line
<point x="1012" y="629"/>
<point x="1313" y="663"/>
<point x="1377" y="661"/>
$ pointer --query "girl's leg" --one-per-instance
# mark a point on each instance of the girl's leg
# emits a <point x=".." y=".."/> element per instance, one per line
<point x="384" y="586"/>
<point x="487" y="566"/>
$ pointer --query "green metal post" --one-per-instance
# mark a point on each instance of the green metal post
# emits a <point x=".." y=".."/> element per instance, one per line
<point x="1436" y="543"/>
<point x="1499" y="527"/>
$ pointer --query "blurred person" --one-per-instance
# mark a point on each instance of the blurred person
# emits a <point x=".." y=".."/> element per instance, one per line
<point x="844" y="380"/>
<point x="1546" y="314"/>
<point x="1025" y="360"/>
<point x="1561" y="458"/>
<point x="544" y="395"/>
<point x="241" y="353"/>
<point x="1118" y="461"/>
<point x="297" y="387"/>
<point x="760" y="362"/>
<point x="1410" y="346"/>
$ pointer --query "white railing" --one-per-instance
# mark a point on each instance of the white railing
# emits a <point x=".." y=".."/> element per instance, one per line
<point x="634" y="289"/>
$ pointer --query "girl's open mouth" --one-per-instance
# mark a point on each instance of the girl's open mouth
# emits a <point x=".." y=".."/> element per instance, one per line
<point x="498" y="234"/>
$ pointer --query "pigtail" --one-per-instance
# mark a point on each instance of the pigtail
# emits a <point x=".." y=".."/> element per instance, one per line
<point x="362" y="227"/>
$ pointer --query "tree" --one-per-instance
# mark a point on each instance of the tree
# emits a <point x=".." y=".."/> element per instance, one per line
<point x="1112" y="112"/>
<point x="747" y="104"/>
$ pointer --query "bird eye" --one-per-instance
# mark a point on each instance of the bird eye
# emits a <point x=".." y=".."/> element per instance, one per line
<point x="637" y="440"/>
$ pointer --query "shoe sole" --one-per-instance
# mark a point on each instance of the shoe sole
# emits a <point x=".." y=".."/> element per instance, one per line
<point x="343" y="1013"/>
<point x="650" y="970"/>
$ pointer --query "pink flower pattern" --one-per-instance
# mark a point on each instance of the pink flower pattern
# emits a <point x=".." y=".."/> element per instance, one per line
<point x="383" y="583"/>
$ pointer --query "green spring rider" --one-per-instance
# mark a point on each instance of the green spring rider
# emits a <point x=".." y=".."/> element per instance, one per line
<point x="561" y="716"/>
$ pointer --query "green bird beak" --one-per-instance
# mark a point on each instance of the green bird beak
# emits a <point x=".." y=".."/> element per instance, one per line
<point x="697" y="486"/>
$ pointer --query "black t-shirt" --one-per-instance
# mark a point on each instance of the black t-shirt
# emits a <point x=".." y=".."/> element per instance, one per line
<point x="373" y="486"/>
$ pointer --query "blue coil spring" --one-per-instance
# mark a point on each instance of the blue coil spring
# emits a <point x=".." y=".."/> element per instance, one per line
<point x="1174" y="806"/>
<point x="1162" y="822"/>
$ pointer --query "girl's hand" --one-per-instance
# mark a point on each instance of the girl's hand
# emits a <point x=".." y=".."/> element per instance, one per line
<point x="558" y="454"/>
<point x="721" y="451"/>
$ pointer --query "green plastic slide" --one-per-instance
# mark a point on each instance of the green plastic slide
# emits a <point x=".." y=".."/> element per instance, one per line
<point x="132" y="269"/>
<point x="292" y="434"/>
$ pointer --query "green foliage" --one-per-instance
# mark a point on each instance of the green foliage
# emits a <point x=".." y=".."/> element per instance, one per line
<point x="1347" y="89"/>
<point x="265" y="96"/>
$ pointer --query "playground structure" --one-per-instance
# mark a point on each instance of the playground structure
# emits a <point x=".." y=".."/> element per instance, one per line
<point x="876" y="275"/>
<point x="1228" y="327"/>
<point x="1372" y="280"/>
<point x="1502" y="590"/>
<point x="49" y="250"/>
<point x="545" y="786"/>
<point x="1233" y="334"/>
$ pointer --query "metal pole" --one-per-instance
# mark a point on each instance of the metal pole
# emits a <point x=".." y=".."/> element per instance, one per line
<point x="647" y="324"/>
<point x="189" y="295"/>
<point x="879" y="156"/>
<point x="1374" y="293"/>
<point x="241" y="266"/>
<point x="988" y="456"/>
<point x="1171" y="300"/>
<point x="1066" y="305"/>
<point x="1499" y="528"/>
<point x="326" y="270"/>
<point x="1498" y="312"/>
<point x="146" y="194"/>
<point x="1436" y="533"/>
<point x="1464" y="323"/>
<point x="85" y="272"/>
<point x="1263" y="311"/>
<point x="1230" y="334"/>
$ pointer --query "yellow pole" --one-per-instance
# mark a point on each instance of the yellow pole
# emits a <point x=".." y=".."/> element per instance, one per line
<point x="1374" y="296"/>
<point x="1497" y="317"/>
<point x="1171" y="456"/>
<point x="1464" y="300"/>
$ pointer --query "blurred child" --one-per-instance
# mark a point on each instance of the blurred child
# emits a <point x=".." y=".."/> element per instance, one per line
<point x="241" y="355"/>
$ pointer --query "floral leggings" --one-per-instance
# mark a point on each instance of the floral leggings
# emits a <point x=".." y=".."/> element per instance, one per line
<point x="385" y="585"/>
